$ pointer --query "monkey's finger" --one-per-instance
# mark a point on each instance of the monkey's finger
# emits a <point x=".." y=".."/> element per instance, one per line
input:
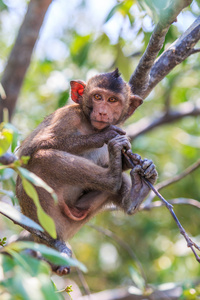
<point x="118" y="129"/>
<point x="152" y="177"/>
<point x="124" y="141"/>
<point x="151" y="171"/>
<point x="146" y="163"/>
<point x="136" y="169"/>
<point x="136" y="174"/>
<point x="136" y="158"/>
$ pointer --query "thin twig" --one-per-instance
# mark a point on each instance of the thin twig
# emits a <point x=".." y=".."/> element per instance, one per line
<point x="178" y="177"/>
<point x="175" y="201"/>
<point x="172" y="180"/>
<point x="146" y="124"/>
<point x="189" y="241"/>
<point x="195" y="51"/>
<point x="82" y="280"/>
<point x="33" y="231"/>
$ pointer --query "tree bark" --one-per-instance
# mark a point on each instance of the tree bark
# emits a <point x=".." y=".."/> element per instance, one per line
<point x="20" y="56"/>
<point x="148" y="73"/>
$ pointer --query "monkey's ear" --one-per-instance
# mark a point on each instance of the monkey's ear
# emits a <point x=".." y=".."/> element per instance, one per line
<point x="135" y="101"/>
<point x="77" y="89"/>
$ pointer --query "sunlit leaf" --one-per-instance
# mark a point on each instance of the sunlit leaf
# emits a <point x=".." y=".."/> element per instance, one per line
<point x="63" y="99"/>
<point x="15" y="215"/>
<point x="34" y="179"/>
<point x="7" y="193"/>
<point x="50" y="254"/>
<point x="45" y="220"/>
<point x="79" y="48"/>
<point x="2" y="92"/>
<point x="15" y="133"/>
<point x="137" y="278"/>
<point x="6" y="174"/>
<point x="6" y="137"/>
<point x="113" y="11"/>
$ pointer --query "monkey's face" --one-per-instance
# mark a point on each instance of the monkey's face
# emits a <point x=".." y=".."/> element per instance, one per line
<point x="106" y="99"/>
<point x="106" y="106"/>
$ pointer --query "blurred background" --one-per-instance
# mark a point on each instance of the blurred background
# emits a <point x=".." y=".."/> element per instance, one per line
<point x="79" y="39"/>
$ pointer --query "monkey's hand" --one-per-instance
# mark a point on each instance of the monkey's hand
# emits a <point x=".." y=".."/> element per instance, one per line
<point x="115" y="147"/>
<point x="145" y="168"/>
<point x="139" y="189"/>
<point x="111" y="132"/>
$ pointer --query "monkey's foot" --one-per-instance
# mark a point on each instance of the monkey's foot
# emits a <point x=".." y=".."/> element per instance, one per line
<point x="61" y="270"/>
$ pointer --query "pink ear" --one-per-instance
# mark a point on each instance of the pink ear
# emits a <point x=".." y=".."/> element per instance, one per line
<point x="77" y="89"/>
<point x="135" y="101"/>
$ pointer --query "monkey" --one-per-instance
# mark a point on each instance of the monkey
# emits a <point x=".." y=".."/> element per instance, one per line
<point x="77" y="150"/>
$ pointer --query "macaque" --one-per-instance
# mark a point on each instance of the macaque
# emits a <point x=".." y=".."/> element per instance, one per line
<point x="77" y="150"/>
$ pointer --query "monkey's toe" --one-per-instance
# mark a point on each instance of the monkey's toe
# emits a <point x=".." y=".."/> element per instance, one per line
<point x="62" y="270"/>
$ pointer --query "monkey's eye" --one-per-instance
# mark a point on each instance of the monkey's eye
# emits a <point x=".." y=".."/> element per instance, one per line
<point x="112" y="99"/>
<point x="97" y="97"/>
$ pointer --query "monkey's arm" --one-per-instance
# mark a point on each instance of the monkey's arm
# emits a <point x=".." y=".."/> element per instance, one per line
<point x="78" y="171"/>
<point x="74" y="143"/>
<point x="78" y="143"/>
<point x="129" y="197"/>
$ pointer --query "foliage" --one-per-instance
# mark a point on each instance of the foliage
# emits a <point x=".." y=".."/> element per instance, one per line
<point x="90" y="45"/>
<point x="19" y="268"/>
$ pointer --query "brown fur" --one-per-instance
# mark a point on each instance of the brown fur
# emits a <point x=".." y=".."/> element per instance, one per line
<point x="77" y="151"/>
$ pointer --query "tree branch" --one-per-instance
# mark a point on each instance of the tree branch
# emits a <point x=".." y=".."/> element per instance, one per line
<point x="139" y="81"/>
<point x="146" y="124"/>
<point x="21" y="53"/>
<point x="33" y="231"/>
<point x="182" y="48"/>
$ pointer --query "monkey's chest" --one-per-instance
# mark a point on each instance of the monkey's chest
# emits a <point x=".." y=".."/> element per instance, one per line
<point x="98" y="156"/>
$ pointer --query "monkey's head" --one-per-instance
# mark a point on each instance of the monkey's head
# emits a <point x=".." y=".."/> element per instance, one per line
<point x="105" y="99"/>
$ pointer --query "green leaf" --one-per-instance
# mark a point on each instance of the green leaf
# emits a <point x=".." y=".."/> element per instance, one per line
<point x="79" y="48"/>
<point x="50" y="254"/>
<point x="25" y="159"/>
<point x="7" y="193"/>
<point x="137" y="278"/>
<point x="14" y="214"/>
<point x="6" y="262"/>
<point x="63" y="99"/>
<point x="113" y="11"/>
<point x="45" y="220"/>
<point x="24" y="274"/>
<point x="6" y="174"/>
<point x="34" y="179"/>
<point x="15" y="133"/>
<point x="6" y="137"/>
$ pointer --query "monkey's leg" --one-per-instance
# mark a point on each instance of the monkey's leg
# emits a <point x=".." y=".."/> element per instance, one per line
<point x="66" y="252"/>
<point x="58" y="168"/>
<point x="92" y="202"/>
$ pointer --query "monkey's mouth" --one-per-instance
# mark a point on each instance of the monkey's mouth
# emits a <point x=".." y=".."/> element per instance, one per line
<point x="99" y="124"/>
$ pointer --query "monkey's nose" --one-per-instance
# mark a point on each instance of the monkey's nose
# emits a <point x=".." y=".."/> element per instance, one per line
<point x="103" y="113"/>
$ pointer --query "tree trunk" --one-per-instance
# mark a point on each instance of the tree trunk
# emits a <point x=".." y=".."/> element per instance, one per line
<point x="21" y="53"/>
